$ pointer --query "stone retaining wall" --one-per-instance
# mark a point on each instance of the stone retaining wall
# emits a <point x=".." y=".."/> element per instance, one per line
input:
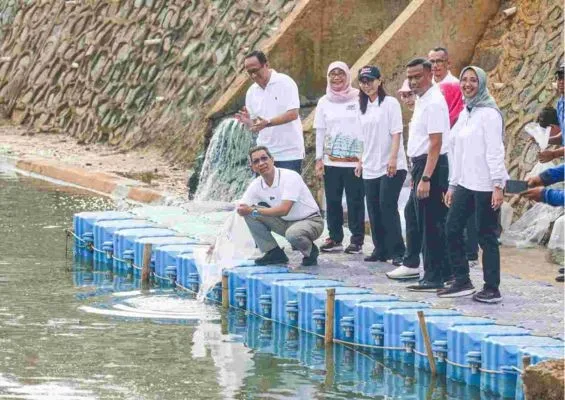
<point x="130" y="72"/>
<point x="520" y="51"/>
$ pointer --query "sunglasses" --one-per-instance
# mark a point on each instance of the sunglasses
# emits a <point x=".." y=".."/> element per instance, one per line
<point x="261" y="159"/>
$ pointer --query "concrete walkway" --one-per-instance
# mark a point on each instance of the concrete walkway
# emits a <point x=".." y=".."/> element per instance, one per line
<point x="534" y="305"/>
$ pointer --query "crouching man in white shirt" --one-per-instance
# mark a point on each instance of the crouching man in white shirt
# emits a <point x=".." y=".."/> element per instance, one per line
<point x="279" y="201"/>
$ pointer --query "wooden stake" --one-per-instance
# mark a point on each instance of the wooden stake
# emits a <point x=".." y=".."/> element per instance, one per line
<point x="146" y="267"/>
<point x="526" y="361"/>
<point x="330" y="310"/>
<point x="225" y="292"/>
<point x="427" y="342"/>
<point x="330" y="367"/>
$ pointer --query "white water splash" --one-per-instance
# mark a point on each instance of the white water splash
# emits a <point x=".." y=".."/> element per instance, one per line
<point x="225" y="172"/>
<point x="165" y="307"/>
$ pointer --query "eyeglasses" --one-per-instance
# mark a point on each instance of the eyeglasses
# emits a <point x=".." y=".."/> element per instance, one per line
<point x="254" y="71"/>
<point x="366" y="82"/>
<point x="336" y="74"/>
<point x="261" y="159"/>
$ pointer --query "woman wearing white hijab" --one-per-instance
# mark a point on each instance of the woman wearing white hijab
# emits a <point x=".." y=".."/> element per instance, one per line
<point x="476" y="182"/>
<point x="338" y="149"/>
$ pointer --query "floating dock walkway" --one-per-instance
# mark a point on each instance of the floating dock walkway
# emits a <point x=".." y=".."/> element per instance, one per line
<point x="164" y="242"/>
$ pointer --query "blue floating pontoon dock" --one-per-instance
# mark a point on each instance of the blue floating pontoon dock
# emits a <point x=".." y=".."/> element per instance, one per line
<point x="285" y="312"/>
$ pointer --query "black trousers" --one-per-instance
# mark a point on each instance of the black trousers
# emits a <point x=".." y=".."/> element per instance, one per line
<point x="414" y="238"/>
<point x="382" y="204"/>
<point x="467" y="204"/>
<point x="295" y="165"/>
<point x="430" y="214"/>
<point x="336" y="179"/>
<point x="471" y="238"/>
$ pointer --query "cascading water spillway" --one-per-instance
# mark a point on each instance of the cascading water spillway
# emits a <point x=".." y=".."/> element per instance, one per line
<point x="225" y="173"/>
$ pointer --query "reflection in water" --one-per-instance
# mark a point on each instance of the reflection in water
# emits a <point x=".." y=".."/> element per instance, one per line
<point x="71" y="330"/>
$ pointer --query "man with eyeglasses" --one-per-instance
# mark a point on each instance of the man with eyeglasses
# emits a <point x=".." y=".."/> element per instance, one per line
<point x="439" y="58"/>
<point x="279" y="201"/>
<point x="271" y="111"/>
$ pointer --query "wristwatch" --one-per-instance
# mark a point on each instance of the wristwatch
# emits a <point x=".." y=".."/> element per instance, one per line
<point x="255" y="212"/>
<point x="269" y="123"/>
<point x="425" y="178"/>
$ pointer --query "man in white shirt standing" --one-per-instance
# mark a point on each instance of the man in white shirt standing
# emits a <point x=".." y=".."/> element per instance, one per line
<point x="288" y="209"/>
<point x="271" y="111"/>
<point x="439" y="58"/>
<point x="427" y="149"/>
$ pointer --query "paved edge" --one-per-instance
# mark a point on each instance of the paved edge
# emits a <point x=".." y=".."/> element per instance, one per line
<point x="101" y="182"/>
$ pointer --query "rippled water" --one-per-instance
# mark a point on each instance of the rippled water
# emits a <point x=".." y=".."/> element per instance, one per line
<point x="68" y="330"/>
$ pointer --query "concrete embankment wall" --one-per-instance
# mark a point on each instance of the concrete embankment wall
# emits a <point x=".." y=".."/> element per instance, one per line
<point x="309" y="40"/>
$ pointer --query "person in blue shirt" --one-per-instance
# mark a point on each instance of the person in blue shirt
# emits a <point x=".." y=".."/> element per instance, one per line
<point x="553" y="197"/>
<point x="538" y="191"/>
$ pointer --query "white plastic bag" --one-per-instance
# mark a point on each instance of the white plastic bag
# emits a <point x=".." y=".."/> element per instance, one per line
<point x="557" y="239"/>
<point x="532" y="226"/>
<point x="234" y="243"/>
<point x="541" y="135"/>
<point x="233" y="246"/>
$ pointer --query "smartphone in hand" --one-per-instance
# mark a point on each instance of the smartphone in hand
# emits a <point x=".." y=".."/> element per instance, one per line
<point x="515" y="186"/>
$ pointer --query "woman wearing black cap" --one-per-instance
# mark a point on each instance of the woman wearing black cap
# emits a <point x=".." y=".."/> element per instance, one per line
<point x="383" y="165"/>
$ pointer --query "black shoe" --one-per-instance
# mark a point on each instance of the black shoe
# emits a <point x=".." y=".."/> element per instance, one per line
<point x="559" y="278"/>
<point x="331" y="245"/>
<point x="488" y="295"/>
<point x="425" y="286"/>
<point x="312" y="259"/>
<point x="375" y="257"/>
<point x="449" y="281"/>
<point x="562" y="271"/>
<point x="274" y="256"/>
<point x="397" y="261"/>
<point x="457" y="289"/>
<point x="354" y="248"/>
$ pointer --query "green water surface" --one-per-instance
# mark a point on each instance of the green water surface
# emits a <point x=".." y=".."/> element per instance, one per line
<point x="51" y="348"/>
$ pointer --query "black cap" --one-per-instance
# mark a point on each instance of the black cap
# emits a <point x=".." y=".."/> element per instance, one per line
<point x="370" y="72"/>
<point x="560" y="70"/>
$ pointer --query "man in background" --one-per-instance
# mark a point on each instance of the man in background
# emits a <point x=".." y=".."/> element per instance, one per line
<point x="439" y="58"/>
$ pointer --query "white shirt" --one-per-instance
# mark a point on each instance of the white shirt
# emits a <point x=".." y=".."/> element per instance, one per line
<point x="431" y="115"/>
<point x="338" y="133"/>
<point x="477" y="151"/>
<point x="449" y="78"/>
<point x="287" y="185"/>
<point x="378" y="124"/>
<point x="285" y="142"/>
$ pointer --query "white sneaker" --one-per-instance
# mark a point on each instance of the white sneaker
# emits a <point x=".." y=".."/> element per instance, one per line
<point x="403" y="273"/>
<point x="474" y="263"/>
